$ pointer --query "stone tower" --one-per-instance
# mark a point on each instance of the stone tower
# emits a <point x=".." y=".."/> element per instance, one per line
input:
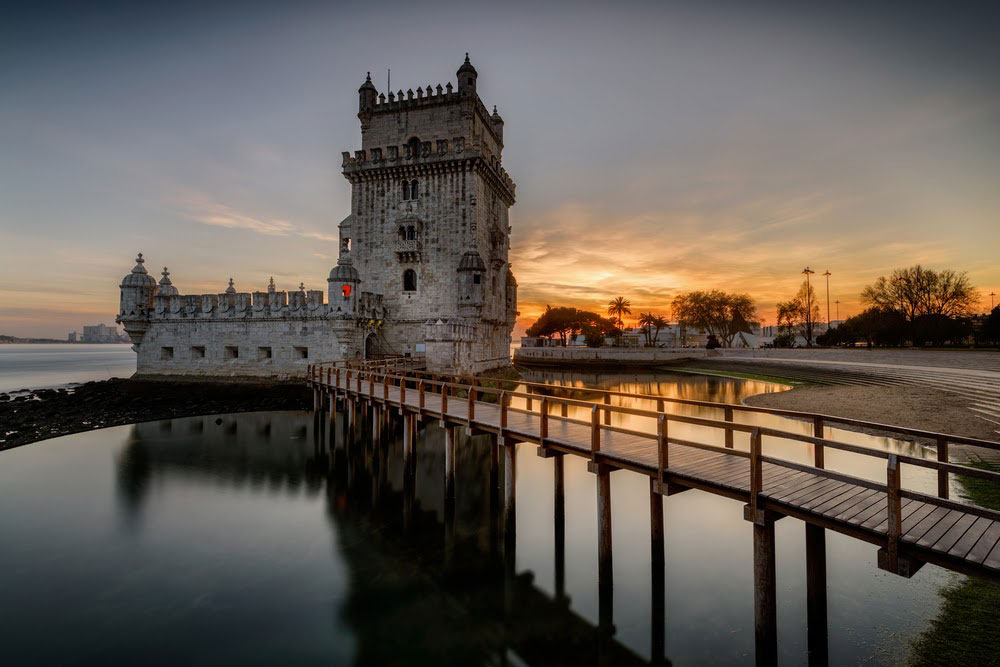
<point x="429" y="228"/>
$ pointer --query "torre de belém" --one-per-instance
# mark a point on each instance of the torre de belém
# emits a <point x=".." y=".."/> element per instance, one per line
<point x="423" y="266"/>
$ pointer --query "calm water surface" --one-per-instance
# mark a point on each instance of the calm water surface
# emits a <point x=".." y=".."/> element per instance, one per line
<point x="249" y="539"/>
<point x="24" y="366"/>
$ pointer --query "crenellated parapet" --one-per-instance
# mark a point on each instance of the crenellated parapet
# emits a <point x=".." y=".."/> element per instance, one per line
<point x="428" y="157"/>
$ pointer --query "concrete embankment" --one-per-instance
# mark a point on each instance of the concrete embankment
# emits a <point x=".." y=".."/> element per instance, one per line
<point x="604" y="357"/>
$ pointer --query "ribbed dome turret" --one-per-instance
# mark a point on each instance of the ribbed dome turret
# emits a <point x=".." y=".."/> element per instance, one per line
<point x="139" y="277"/>
<point x="471" y="261"/>
<point x="166" y="287"/>
<point x="467" y="68"/>
<point x="344" y="273"/>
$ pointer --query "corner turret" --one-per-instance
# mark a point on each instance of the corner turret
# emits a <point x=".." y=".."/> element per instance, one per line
<point x="137" y="289"/>
<point x="467" y="76"/>
<point x="367" y="96"/>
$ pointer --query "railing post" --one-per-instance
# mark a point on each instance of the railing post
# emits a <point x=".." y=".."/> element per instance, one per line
<point x="895" y="512"/>
<point x="942" y="456"/>
<point x="607" y="411"/>
<point x="543" y="421"/>
<point x="595" y="430"/>
<point x="818" y="447"/>
<point x="402" y="390"/>
<point x="371" y="385"/>
<point x="527" y="399"/>
<point x="659" y="405"/>
<point x="385" y="387"/>
<point x="472" y="404"/>
<point x="336" y="376"/>
<point x="503" y="413"/>
<point x="662" y="442"/>
<point x="420" y="390"/>
<point x="729" y="431"/>
<point x="565" y="410"/>
<point x="756" y="473"/>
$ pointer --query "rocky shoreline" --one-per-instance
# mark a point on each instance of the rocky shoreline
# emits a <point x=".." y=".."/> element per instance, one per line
<point x="49" y="413"/>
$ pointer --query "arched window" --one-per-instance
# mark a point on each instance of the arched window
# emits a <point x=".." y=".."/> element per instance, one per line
<point x="346" y="291"/>
<point x="402" y="233"/>
<point x="406" y="190"/>
<point x="414" y="145"/>
<point x="414" y="191"/>
<point x="411" y="233"/>
<point x="409" y="280"/>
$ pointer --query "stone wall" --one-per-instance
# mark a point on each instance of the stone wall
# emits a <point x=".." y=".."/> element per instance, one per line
<point x="609" y="357"/>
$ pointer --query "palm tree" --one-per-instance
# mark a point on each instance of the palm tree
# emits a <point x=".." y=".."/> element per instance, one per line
<point x="619" y="307"/>
<point x="646" y="321"/>
<point x="659" y="322"/>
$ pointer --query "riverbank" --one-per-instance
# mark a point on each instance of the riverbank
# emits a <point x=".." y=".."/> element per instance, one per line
<point x="590" y="358"/>
<point x="905" y="405"/>
<point x="48" y="413"/>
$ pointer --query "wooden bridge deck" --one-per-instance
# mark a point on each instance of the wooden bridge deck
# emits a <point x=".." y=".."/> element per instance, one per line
<point x="961" y="537"/>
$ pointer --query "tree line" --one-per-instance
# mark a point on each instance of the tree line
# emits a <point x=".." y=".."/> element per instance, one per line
<point x="915" y="305"/>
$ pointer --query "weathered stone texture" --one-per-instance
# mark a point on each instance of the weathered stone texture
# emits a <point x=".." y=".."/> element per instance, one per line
<point x="423" y="266"/>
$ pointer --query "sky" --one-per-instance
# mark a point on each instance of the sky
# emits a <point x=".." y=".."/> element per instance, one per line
<point x="658" y="147"/>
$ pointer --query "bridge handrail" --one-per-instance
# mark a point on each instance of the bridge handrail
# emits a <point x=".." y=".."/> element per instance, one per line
<point x="396" y="373"/>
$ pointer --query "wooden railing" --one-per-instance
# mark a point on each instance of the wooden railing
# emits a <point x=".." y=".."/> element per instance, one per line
<point x="397" y="373"/>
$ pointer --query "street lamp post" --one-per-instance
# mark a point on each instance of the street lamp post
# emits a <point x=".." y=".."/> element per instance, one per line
<point x="838" y="309"/>
<point x="827" y="275"/>
<point x="807" y="271"/>
<point x="992" y="294"/>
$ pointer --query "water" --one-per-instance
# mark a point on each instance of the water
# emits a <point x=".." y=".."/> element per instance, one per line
<point x="24" y="366"/>
<point x="241" y="540"/>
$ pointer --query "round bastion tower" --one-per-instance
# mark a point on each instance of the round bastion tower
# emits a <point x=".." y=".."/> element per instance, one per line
<point x="137" y="291"/>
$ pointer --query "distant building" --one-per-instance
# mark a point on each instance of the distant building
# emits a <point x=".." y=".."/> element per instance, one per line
<point x="98" y="333"/>
<point x="71" y="338"/>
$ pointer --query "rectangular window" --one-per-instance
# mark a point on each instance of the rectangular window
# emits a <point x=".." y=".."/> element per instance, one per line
<point x="263" y="353"/>
<point x="476" y="279"/>
<point x="232" y="352"/>
<point x="301" y="352"/>
<point x="198" y="352"/>
<point x="166" y="353"/>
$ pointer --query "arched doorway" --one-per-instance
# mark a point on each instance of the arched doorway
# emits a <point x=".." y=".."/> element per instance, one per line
<point x="371" y="346"/>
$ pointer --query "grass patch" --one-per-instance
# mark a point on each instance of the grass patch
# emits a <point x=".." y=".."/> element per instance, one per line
<point x="741" y="376"/>
<point x="967" y="631"/>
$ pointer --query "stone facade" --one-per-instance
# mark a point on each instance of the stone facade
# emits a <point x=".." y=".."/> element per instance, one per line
<point x="423" y="266"/>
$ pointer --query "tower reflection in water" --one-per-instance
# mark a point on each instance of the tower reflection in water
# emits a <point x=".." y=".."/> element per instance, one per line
<point x="430" y="580"/>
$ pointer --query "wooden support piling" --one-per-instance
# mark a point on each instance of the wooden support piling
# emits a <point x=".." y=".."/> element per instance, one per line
<point x="765" y="594"/>
<point x="605" y="568"/>
<point x="894" y="528"/>
<point x="449" y="462"/>
<point x="816" y="606"/>
<point x="607" y="411"/>
<point x="657" y="576"/>
<point x="595" y="432"/>
<point x="559" y="485"/>
<point x="662" y="450"/>
<point x="729" y="431"/>
<point x="509" y="494"/>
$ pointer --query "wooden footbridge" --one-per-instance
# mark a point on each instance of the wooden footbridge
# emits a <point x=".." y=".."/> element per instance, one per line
<point x="910" y="527"/>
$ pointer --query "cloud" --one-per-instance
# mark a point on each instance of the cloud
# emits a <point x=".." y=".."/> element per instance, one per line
<point x="207" y="211"/>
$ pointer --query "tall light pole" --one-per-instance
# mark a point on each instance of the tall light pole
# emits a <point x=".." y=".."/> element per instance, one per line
<point x="827" y="276"/>
<point x="992" y="294"/>
<point x="838" y="309"/>
<point x="807" y="271"/>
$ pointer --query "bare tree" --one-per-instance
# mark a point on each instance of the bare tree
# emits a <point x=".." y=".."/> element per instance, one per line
<point x="917" y="291"/>
<point x="800" y="314"/>
<point x="719" y="313"/>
